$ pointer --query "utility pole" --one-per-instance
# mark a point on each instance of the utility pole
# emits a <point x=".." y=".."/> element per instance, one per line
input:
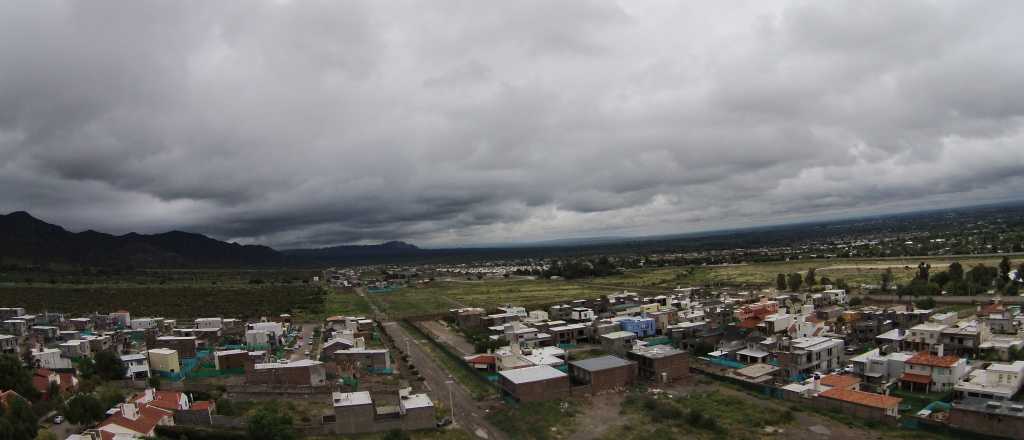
<point x="451" y="399"/>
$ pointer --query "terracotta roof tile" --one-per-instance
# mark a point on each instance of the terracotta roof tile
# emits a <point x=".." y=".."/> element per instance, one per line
<point x="840" y="381"/>
<point x="916" y="378"/>
<point x="861" y="398"/>
<point x="931" y="360"/>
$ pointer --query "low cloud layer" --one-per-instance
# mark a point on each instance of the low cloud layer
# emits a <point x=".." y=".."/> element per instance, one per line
<point x="306" y="123"/>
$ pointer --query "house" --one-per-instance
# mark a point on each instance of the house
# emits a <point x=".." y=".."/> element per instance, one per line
<point x="602" y="373"/>
<point x="50" y="358"/>
<point x="75" y="348"/>
<point x="894" y="338"/>
<point x="862" y="404"/>
<point x="487" y="363"/>
<point x="16" y="327"/>
<point x="468" y="317"/>
<point x="232" y="360"/>
<point x="120" y="318"/>
<point x="42" y="379"/>
<point x="168" y="400"/>
<point x="184" y="345"/>
<point x="802" y="357"/>
<point x="357" y="412"/>
<point x="569" y="334"/>
<point x="617" y="342"/>
<point x="532" y="384"/>
<point x="642" y="326"/>
<point x="581" y="314"/>
<point x="880" y="369"/>
<point x="46" y="333"/>
<point x="932" y="373"/>
<point x="660" y="363"/>
<point x="204" y="323"/>
<point x="965" y="338"/>
<point x="299" y="373"/>
<point x="164" y="360"/>
<point x="135" y="421"/>
<point x="143" y="323"/>
<point x="136" y="365"/>
<point x="924" y="336"/>
<point x="996" y="382"/>
<point x="364" y="358"/>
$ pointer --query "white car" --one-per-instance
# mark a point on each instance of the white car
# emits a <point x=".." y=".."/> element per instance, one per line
<point x="58" y="420"/>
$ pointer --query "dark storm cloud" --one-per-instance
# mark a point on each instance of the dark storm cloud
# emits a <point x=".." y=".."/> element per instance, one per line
<point x="300" y="123"/>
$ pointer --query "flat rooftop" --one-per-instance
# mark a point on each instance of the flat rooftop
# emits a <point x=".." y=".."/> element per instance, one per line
<point x="601" y="363"/>
<point x="532" y="374"/>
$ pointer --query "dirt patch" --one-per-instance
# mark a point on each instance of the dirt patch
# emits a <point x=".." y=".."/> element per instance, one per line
<point x="448" y="336"/>
<point x="601" y="416"/>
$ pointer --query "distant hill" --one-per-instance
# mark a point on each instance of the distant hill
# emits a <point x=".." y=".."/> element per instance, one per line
<point x="377" y="252"/>
<point x="29" y="240"/>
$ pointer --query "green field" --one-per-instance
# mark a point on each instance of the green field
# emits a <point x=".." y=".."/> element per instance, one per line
<point x="170" y="302"/>
<point x="853" y="271"/>
<point x="444" y="295"/>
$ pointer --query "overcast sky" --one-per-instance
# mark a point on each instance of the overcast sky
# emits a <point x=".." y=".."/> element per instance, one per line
<point x="306" y="123"/>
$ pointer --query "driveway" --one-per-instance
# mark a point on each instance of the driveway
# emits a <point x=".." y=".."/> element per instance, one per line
<point x="468" y="414"/>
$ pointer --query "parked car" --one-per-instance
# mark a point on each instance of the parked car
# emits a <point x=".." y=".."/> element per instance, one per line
<point x="444" y="422"/>
<point x="58" y="419"/>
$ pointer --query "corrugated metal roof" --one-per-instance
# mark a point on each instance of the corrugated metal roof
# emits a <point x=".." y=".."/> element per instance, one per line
<point x="601" y="363"/>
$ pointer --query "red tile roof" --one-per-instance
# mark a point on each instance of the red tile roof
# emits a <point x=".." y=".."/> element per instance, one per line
<point x="861" y="398"/>
<point x="916" y="378"/>
<point x="202" y="405"/>
<point x="168" y="400"/>
<point x="482" y="359"/>
<point x="749" y="323"/>
<point x="149" y="417"/>
<point x="840" y="381"/>
<point x="931" y="360"/>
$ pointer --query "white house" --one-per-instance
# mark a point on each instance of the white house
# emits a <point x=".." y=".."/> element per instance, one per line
<point x="997" y="382"/>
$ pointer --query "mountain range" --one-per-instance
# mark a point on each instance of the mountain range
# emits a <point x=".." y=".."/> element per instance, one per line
<point x="27" y="240"/>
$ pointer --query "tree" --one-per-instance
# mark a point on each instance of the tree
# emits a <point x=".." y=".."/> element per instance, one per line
<point x="810" y="279"/>
<point x="24" y="423"/>
<point x="794" y="280"/>
<point x="84" y="409"/>
<point x="926" y="303"/>
<point x="922" y="271"/>
<point x="856" y="301"/>
<point x="956" y="271"/>
<point x="269" y="424"/>
<point x="1004" y="269"/>
<point x="154" y="382"/>
<point x="109" y="366"/>
<point x="14" y="376"/>
<point x="886" y="279"/>
<point x="780" y="281"/>
<point x="110" y="396"/>
<point x="941" y="278"/>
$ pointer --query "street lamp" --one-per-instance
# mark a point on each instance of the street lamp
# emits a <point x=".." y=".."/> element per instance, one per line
<point x="451" y="399"/>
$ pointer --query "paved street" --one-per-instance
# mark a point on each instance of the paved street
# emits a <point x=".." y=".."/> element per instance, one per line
<point x="468" y="414"/>
<point x="307" y="335"/>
